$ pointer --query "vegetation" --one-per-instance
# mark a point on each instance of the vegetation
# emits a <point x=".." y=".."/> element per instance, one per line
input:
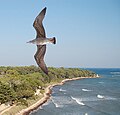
<point x="19" y="84"/>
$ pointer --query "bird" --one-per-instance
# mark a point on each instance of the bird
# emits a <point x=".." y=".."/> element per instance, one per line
<point x="41" y="40"/>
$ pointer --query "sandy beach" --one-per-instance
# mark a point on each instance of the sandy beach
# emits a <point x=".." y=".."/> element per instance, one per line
<point x="46" y="96"/>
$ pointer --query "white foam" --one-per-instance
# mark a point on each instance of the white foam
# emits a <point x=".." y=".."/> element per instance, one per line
<point x="101" y="82"/>
<point x="56" y="105"/>
<point x="110" y="98"/>
<point x="100" y="96"/>
<point x="78" y="101"/>
<point x="85" y="90"/>
<point x="62" y="90"/>
<point x="86" y="113"/>
<point x="106" y="97"/>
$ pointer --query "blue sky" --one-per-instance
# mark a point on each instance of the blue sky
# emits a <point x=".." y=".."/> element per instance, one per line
<point x="87" y="32"/>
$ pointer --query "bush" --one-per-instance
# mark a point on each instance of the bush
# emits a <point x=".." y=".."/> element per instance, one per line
<point x="20" y="83"/>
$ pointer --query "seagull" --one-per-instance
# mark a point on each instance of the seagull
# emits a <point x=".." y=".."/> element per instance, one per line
<point x="41" y="41"/>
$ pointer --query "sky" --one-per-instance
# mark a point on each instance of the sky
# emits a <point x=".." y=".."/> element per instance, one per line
<point x="87" y="32"/>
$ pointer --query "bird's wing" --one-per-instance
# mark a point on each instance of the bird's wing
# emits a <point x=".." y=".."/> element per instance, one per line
<point x="38" y="24"/>
<point x="39" y="57"/>
<point x="41" y="49"/>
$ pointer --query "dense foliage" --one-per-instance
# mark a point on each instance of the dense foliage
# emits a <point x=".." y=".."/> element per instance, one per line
<point x="17" y="84"/>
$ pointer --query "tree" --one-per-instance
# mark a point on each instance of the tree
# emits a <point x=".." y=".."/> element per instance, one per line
<point x="7" y="94"/>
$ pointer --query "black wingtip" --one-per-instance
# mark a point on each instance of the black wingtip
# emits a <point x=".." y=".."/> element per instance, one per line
<point x="45" y="71"/>
<point x="45" y="8"/>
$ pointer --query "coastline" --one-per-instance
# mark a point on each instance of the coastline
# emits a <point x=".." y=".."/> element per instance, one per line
<point x="47" y="96"/>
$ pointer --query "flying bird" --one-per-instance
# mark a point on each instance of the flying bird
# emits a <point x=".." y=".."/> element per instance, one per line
<point x="41" y="41"/>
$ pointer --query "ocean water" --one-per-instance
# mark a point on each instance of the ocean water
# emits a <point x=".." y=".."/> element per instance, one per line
<point x="96" y="96"/>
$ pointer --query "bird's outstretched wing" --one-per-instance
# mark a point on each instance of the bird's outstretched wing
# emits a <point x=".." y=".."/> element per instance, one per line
<point x="39" y="57"/>
<point x="41" y="49"/>
<point x="38" y="24"/>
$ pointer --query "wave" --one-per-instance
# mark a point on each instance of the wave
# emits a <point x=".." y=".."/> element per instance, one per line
<point x="110" y="98"/>
<point x="85" y="90"/>
<point x="115" y="73"/>
<point x="78" y="101"/>
<point x="62" y="90"/>
<point x="100" y="96"/>
<point x="86" y="113"/>
<point x="106" y="97"/>
<point x="56" y="104"/>
<point x="101" y="82"/>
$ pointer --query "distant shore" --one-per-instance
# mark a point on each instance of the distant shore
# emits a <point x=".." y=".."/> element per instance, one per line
<point x="47" y="96"/>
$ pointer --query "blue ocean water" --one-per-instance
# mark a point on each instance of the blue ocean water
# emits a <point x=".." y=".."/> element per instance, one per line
<point x="95" y="96"/>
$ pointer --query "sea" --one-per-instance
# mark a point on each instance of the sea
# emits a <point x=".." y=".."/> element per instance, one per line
<point x="91" y="96"/>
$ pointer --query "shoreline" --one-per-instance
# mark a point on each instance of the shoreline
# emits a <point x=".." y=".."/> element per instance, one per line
<point x="47" y="95"/>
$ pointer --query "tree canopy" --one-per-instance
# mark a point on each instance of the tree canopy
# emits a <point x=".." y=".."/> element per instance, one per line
<point x="17" y="84"/>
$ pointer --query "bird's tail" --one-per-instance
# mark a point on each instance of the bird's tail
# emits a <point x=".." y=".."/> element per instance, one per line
<point x="53" y="40"/>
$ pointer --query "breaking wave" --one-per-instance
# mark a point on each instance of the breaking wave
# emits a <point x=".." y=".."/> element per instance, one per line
<point x="106" y="97"/>
<point x="56" y="104"/>
<point x="85" y="90"/>
<point x="100" y="96"/>
<point x="62" y="90"/>
<point x="78" y="101"/>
